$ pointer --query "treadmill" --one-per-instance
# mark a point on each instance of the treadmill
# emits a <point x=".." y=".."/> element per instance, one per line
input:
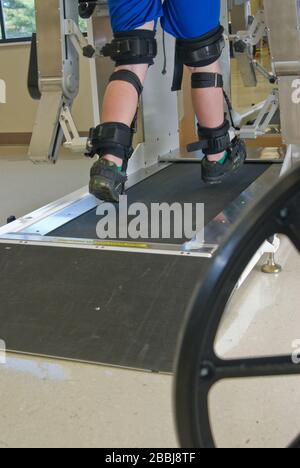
<point x="67" y="294"/>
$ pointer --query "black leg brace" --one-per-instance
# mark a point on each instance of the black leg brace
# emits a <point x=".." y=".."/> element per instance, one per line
<point x="199" y="52"/>
<point x="127" y="48"/>
<point x="115" y="138"/>
<point x="212" y="140"/>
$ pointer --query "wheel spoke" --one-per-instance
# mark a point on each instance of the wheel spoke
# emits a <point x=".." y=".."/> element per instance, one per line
<point x="243" y="368"/>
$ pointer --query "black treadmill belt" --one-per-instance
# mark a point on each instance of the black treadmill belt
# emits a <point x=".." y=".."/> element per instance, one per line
<point x="178" y="183"/>
<point x="112" y="308"/>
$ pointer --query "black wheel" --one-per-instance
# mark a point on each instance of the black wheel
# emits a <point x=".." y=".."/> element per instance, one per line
<point x="198" y="366"/>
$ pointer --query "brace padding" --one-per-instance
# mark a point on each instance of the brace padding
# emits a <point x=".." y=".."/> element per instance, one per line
<point x="202" y="51"/>
<point x="128" y="77"/>
<point x="207" y="80"/>
<point x="212" y="140"/>
<point x="132" y="48"/>
<point x="111" y="138"/>
<point x="199" y="52"/>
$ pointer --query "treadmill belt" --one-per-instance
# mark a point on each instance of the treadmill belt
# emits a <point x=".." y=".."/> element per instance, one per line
<point x="180" y="183"/>
<point x="102" y="307"/>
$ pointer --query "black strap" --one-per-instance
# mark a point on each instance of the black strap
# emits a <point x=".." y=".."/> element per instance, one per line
<point x="132" y="47"/>
<point x="207" y="80"/>
<point x="110" y="138"/>
<point x="212" y="140"/>
<point x="136" y="47"/>
<point x="178" y="72"/>
<point x="129" y="77"/>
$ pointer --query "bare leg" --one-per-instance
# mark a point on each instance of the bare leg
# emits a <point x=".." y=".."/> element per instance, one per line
<point x="209" y="104"/>
<point x="121" y="99"/>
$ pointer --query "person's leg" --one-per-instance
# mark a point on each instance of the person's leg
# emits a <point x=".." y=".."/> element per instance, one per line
<point x="199" y="46"/>
<point x="209" y="105"/>
<point x="133" y="49"/>
<point x="121" y="98"/>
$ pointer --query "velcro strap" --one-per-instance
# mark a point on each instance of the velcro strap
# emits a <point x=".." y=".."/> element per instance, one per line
<point x="111" y="138"/>
<point x="128" y="77"/>
<point x="207" y="80"/>
<point x="133" y="47"/>
<point x="212" y="140"/>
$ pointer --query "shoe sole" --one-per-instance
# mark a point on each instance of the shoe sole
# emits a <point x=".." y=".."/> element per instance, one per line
<point x="220" y="179"/>
<point x="105" y="193"/>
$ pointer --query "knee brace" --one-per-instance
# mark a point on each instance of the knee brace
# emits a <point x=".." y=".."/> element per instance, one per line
<point x="212" y="140"/>
<point x="199" y="52"/>
<point x="132" y="48"/>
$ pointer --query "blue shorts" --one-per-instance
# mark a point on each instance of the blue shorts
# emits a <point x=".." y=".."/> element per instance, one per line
<point x="184" y="19"/>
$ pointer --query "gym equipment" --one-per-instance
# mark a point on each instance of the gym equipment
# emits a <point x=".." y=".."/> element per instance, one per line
<point x="121" y="285"/>
<point x="55" y="68"/>
<point x="87" y="8"/>
<point x="198" y="366"/>
<point x="53" y="76"/>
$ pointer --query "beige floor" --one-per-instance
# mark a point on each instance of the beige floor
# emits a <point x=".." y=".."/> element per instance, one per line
<point x="262" y="320"/>
<point x="50" y="403"/>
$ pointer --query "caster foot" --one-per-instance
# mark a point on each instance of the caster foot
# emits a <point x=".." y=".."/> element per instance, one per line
<point x="11" y="219"/>
<point x="271" y="267"/>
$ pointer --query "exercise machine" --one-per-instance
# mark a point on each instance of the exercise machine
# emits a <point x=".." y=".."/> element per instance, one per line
<point x="117" y="302"/>
<point x="53" y="75"/>
<point x="199" y="368"/>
